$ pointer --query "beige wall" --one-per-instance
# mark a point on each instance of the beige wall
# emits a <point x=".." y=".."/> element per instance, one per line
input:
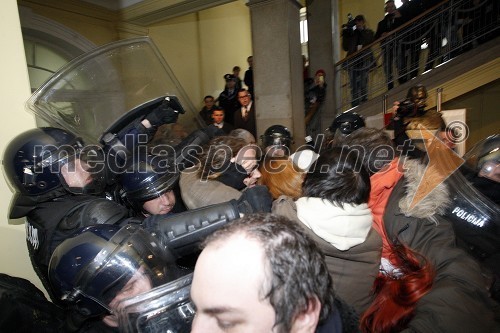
<point x="483" y="118"/>
<point x="202" y="47"/>
<point x="14" y="91"/>
<point x="373" y="11"/>
<point x="97" y="26"/>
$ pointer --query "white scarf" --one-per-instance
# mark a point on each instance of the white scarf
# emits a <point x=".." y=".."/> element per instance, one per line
<point x="342" y="227"/>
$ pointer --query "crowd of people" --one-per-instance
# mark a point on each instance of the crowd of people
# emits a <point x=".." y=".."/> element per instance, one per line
<point x="234" y="107"/>
<point x="330" y="238"/>
<point x="459" y="26"/>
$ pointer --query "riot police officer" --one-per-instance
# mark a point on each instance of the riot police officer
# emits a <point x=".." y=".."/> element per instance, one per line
<point x="150" y="188"/>
<point x="58" y="180"/>
<point x="277" y="141"/>
<point x="102" y="265"/>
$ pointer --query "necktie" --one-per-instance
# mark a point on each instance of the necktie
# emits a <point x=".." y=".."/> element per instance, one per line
<point x="245" y="113"/>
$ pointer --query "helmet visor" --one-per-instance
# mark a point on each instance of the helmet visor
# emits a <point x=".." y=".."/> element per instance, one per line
<point x="163" y="309"/>
<point x="130" y="262"/>
<point x="84" y="172"/>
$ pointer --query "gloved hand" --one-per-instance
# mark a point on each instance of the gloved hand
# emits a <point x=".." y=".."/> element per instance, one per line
<point x="255" y="199"/>
<point x="166" y="113"/>
<point x="233" y="176"/>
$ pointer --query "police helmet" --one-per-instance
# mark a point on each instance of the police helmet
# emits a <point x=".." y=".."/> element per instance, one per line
<point x="488" y="157"/>
<point x="91" y="268"/>
<point x="277" y="135"/>
<point x="37" y="161"/>
<point x="146" y="180"/>
<point x="347" y="122"/>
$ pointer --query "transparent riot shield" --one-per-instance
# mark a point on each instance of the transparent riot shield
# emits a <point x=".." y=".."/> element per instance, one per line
<point x="166" y="308"/>
<point x="475" y="191"/>
<point x="107" y="88"/>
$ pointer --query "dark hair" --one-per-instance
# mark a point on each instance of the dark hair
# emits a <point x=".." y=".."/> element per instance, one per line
<point x="218" y="108"/>
<point x="216" y="155"/>
<point x="374" y="147"/>
<point x="298" y="268"/>
<point x="338" y="178"/>
<point x="236" y="68"/>
<point x="208" y="96"/>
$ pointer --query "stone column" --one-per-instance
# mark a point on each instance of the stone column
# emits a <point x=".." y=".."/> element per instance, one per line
<point x="324" y="49"/>
<point x="277" y="66"/>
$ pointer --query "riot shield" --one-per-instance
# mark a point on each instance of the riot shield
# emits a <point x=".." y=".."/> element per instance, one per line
<point x="107" y="88"/>
<point x="165" y="308"/>
<point x="474" y="210"/>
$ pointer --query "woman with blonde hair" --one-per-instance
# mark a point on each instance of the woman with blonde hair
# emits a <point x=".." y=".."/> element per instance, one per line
<point x="282" y="177"/>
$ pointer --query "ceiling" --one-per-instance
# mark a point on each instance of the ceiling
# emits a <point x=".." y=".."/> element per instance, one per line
<point x="114" y="4"/>
<point x="147" y="12"/>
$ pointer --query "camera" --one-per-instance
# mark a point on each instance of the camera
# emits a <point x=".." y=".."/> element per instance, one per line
<point x="408" y="108"/>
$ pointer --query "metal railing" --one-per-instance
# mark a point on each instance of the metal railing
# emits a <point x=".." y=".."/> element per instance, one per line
<point x="427" y="41"/>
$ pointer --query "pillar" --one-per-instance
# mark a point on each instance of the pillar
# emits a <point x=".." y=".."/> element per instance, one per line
<point x="324" y="49"/>
<point x="277" y="66"/>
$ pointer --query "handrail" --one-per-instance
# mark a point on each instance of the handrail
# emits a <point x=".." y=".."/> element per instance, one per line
<point x="392" y="32"/>
<point x="449" y="29"/>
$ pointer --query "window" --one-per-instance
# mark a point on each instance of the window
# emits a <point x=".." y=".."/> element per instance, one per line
<point x="42" y="62"/>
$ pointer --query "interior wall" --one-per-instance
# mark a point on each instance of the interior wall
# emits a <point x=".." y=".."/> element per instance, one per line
<point x="14" y="258"/>
<point x="100" y="30"/>
<point x="202" y="47"/>
<point x="482" y="117"/>
<point x="373" y="11"/>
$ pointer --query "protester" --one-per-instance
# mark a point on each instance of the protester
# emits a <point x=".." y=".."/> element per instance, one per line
<point x="262" y="274"/>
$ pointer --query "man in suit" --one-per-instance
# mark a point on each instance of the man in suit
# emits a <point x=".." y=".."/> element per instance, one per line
<point x="218" y="120"/>
<point x="245" y="116"/>
<point x="391" y="21"/>
<point x="248" y="78"/>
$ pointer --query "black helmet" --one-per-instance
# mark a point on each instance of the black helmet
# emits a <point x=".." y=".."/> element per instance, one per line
<point x="91" y="268"/>
<point x="347" y="123"/>
<point x="489" y="154"/>
<point x="34" y="160"/>
<point x="277" y="135"/>
<point x="146" y="180"/>
<point x="31" y="158"/>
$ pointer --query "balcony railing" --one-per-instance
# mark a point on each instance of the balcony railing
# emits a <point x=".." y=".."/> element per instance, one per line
<point x="427" y="41"/>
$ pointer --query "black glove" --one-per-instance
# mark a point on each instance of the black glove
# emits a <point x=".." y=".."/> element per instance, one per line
<point x="255" y="199"/>
<point x="233" y="176"/>
<point x="166" y="113"/>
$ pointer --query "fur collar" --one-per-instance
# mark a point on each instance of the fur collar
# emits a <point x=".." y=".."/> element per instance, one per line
<point x="435" y="202"/>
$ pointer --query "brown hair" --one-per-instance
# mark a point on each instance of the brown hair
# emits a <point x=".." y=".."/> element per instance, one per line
<point x="217" y="155"/>
<point x="282" y="177"/>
